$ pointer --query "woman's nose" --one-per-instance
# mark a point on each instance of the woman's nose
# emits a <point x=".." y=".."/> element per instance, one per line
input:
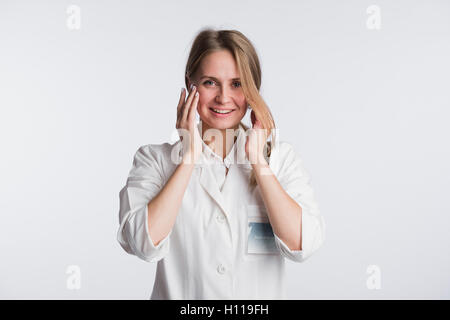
<point x="223" y="96"/>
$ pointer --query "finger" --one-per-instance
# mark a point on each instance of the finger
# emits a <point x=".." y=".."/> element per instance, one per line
<point x="193" y="108"/>
<point x="188" y="104"/>
<point x="181" y="100"/>
<point x="180" y="104"/>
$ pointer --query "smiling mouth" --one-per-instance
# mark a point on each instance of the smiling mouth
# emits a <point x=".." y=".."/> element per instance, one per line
<point x="221" y="112"/>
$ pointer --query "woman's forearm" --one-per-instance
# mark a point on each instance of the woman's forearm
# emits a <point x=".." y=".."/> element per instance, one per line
<point x="163" y="209"/>
<point x="285" y="215"/>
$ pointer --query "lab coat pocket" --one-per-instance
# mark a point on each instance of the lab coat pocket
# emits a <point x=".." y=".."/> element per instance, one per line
<point x="260" y="239"/>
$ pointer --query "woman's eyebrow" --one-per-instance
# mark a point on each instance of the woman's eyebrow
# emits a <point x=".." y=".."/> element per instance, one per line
<point x="215" y="79"/>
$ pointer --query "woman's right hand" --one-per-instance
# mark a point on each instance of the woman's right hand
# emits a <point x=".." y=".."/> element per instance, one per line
<point x="187" y="128"/>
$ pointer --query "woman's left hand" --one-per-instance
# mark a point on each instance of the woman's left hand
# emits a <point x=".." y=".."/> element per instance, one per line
<point x="254" y="147"/>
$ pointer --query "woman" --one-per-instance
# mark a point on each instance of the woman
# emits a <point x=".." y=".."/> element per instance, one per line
<point x="221" y="208"/>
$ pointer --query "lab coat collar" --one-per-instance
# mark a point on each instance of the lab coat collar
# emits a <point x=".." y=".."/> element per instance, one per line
<point x="235" y="156"/>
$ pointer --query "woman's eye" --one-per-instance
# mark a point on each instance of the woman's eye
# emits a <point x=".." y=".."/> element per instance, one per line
<point x="237" y="84"/>
<point x="208" y="82"/>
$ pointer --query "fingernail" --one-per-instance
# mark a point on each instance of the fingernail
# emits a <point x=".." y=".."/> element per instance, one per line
<point x="193" y="88"/>
<point x="196" y="94"/>
<point x="190" y="86"/>
<point x="182" y="89"/>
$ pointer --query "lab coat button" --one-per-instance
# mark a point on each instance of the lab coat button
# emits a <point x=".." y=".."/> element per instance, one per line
<point x="221" y="269"/>
<point x="220" y="218"/>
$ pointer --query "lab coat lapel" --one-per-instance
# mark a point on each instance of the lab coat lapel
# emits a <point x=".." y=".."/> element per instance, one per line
<point x="239" y="166"/>
<point x="207" y="179"/>
<point x="208" y="182"/>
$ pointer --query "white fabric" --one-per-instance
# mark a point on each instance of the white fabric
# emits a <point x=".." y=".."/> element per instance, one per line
<point x="204" y="255"/>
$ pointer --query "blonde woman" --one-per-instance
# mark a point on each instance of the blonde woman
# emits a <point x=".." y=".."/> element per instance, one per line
<point x="222" y="208"/>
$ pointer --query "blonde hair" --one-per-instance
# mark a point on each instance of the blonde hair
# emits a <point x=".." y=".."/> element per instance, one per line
<point x="208" y="41"/>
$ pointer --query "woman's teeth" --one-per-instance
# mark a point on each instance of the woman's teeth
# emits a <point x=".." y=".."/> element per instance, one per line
<point x="221" y="111"/>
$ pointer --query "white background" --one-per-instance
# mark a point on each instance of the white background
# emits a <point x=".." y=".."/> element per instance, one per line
<point x="367" y="110"/>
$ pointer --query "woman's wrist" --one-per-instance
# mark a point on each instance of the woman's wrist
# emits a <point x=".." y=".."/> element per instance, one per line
<point x="258" y="161"/>
<point x="188" y="159"/>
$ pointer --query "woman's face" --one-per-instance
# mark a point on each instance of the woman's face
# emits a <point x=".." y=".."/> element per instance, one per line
<point x="219" y="86"/>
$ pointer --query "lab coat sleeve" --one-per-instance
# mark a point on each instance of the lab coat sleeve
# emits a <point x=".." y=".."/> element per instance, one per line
<point x="296" y="182"/>
<point x="144" y="182"/>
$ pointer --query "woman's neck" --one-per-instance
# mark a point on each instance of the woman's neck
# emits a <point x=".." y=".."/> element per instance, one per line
<point x="214" y="145"/>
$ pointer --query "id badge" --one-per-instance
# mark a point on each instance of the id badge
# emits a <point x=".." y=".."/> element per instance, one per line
<point x="260" y="237"/>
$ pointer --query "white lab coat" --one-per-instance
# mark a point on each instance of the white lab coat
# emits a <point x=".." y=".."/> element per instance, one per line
<point x="205" y="254"/>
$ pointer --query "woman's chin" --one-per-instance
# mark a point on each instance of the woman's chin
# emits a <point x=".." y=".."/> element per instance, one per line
<point x="221" y="123"/>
